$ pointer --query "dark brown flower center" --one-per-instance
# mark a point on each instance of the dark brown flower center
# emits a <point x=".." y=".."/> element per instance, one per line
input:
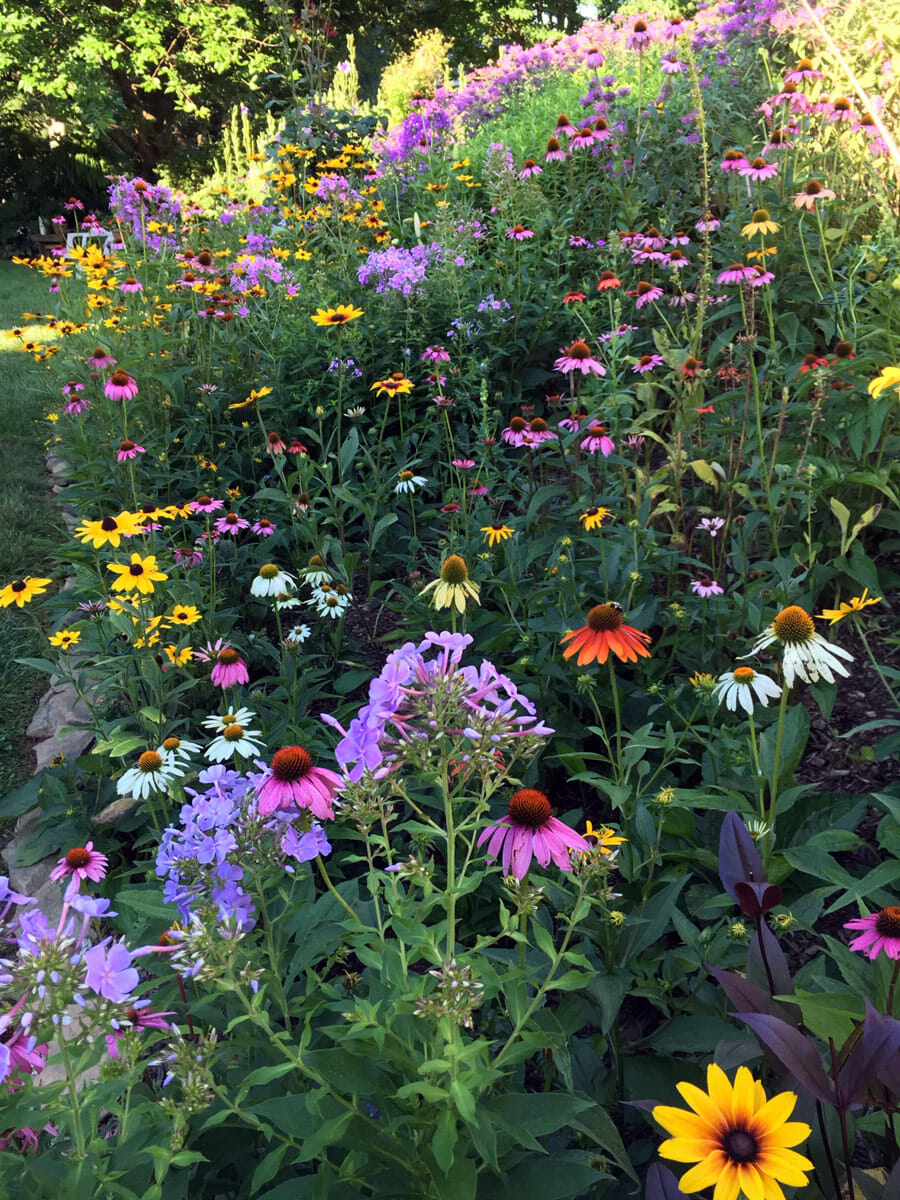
<point x="604" y="618"/>
<point x="887" y="922"/>
<point x="228" y="656"/>
<point x="78" y="857"/>
<point x="126" y="445"/>
<point x="119" y="378"/>
<point x="136" y="569"/>
<point x="108" y="524"/>
<point x="579" y="350"/>
<point x="740" y="1146"/>
<point x="529" y="808"/>
<point x="518" y="424"/>
<point x="538" y="425"/>
<point x="758" y="164"/>
<point x="733" y="155"/>
<point x="552" y="145"/>
<point x="291" y="764"/>
<point x="18" y="585"/>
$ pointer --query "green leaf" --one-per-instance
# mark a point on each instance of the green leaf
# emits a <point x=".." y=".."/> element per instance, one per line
<point x="828" y="1014"/>
<point x="21" y="799"/>
<point x="444" y="1140"/>
<point x="599" y="1125"/>
<point x="429" y="1092"/>
<point x="381" y="525"/>
<point x="464" y="1101"/>
<point x="350" y="1072"/>
<point x="526" y="1116"/>
<point x="705" y="472"/>
<point x="564" y="1176"/>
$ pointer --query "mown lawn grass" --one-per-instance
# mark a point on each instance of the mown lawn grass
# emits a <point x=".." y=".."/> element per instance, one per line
<point x="29" y="519"/>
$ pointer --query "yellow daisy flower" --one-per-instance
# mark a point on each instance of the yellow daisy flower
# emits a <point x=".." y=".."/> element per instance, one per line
<point x="65" y="639"/>
<point x="21" y="591"/>
<point x="109" y="531"/>
<point x="140" y="573"/>
<point x="760" y="222"/>
<point x="594" y="517"/>
<point x="185" y="614"/>
<point x="496" y="533"/>
<point x="889" y="377"/>
<point x="856" y="604"/>
<point x="336" y="316"/>
<point x="738" y="1139"/>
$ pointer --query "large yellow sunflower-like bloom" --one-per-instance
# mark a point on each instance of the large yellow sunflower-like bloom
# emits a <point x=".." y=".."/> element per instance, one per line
<point x="453" y="586"/>
<point x="110" y="530"/>
<point x="336" y="316"/>
<point x="889" y="377"/>
<point x="738" y="1139"/>
<point x="140" y="573"/>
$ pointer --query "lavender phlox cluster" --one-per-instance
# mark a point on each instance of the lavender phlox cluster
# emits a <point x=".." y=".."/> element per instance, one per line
<point x="424" y="694"/>
<point x="220" y="836"/>
<point x="398" y="269"/>
<point x="337" y="189"/>
<point x="47" y="969"/>
<point x="254" y="270"/>
<point x="136" y="203"/>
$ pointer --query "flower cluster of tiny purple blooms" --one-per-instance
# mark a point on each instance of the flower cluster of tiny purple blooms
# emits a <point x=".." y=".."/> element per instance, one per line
<point x="398" y="269"/>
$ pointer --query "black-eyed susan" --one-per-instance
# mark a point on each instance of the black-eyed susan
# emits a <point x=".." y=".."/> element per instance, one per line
<point x="140" y="573"/>
<point x="21" y="591"/>
<point x="606" y="840"/>
<point x="336" y="316"/>
<point x="254" y="398"/>
<point x="496" y="533"/>
<point x="453" y="586"/>
<point x="889" y="377"/>
<point x="184" y="614"/>
<point x="739" y="1140"/>
<point x="805" y="654"/>
<point x="846" y="607"/>
<point x="396" y="384"/>
<point x="593" y="517"/>
<point x="65" y="639"/>
<point x="605" y="632"/>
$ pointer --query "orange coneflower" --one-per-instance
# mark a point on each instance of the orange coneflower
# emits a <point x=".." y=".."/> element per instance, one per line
<point x="605" y="631"/>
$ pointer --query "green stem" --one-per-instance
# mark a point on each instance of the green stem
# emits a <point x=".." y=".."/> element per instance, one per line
<point x="776" y="768"/>
<point x="326" y="878"/>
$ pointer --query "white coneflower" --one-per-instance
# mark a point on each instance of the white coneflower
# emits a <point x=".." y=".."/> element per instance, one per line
<point x="409" y="483"/>
<point x="240" y="716"/>
<point x="316" y="573"/>
<point x="178" y="749"/>
<point x="745" y="686"/>
<point x="806" y="655"/>
<point x="153" y="772"/>
<point x="297" y="635"/>
<point x="271" y="581"/>
<point x="234" y="739"/>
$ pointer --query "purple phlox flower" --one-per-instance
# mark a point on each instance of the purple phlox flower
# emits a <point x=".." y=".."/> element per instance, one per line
<point x="109" y="971"/>
<point x="306" y="846"/>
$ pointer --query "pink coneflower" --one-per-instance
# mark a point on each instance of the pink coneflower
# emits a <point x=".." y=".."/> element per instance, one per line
<point x="519" y="233"/>
<point x="188" y="556"/>
<point x="76" y="406"/>
<point x="131" y="285"/>
<point x="206" y="504"/>
<point x="619" y="331"/>
<point x="275" y="444"/>
<point x="515" y="433"/>
<point x="733" y="161"/>
<point x="572" y="424"/>
<point x="434" y="354"/>
<point x="120" y="386"/>
<point x="555" y="152"/>
<point x="529" y="830"/>
<point x="671" y="64"/>
<point x="128" y="450"/>
<point x="690" y="367"/>
<point x="296" y="447"/>
<point x="647" y="362"/>
<point x="608" y="281"/>
<point x="645" y="293"/>
<point x="230" y="523"/>
<point x="706" y="587"/>
<point x="296" y="782"/>
<point x="674" y="28"/>
<point x="708" y="224"/>
<point x="582" y="139"/>
<point x="779" y="139"/>
<point x="841" y="109"/>
<point x="81" y="862"/>
<point x="578" y="357"/>
<point x="653" y="239"/>
<point x="574" y="297"/>
<point x="564" y="126"/>
<point x="478" y="489"/>
<point x="264" y="527"/>
<point x="677" y="260"/>
<point x="639" y="38"/>
<point x="760" y="277"/>
<point x="594" y="58"/>
<point x="881" y="931"/>
<point x="538" y="431"/>
<point x="602" y="131"/>
<point x="759" y="169"/>
<point x="100" y="360"/>
<point x="812" y="192"/>
<point x="790" y="95"/>
<point x="229" y="669"/>
<point x="803" y="70"/>
<point x="598" y="440"/>
<point x="529" y="169"/>
<point x="463" y="464"/>
<point x="72" y="388"/>
<point x="736" y="273"/>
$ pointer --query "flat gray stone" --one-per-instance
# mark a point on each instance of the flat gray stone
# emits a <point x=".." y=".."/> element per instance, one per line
<point x="59" y="707"/>
<point x="75" y="742"/>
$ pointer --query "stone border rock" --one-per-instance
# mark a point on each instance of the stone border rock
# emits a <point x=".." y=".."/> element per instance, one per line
<point x="59" y="708"/>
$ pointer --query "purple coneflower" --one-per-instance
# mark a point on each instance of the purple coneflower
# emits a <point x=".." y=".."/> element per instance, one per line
<point x="100" y="360"/>
<point x="645" y="293"/>
<point x="295" y="782"/>
<point x="128" y="450"/>
<point x="230" y="523"/>
<point x="130" y="284"/>
<point x="734" y="160"/>
<point x="578" y="357"/>
<point x="529" y="830"/>
<point x="120" y="386"/>
<point x="519" y="233"/>
<point x="229" y="668"/>
<point x="647" y="362"/>
<point x="264" y="527"/>
<point x="759" y="169"/>
<point x="555" y="152"/>
<point x="706" y="587"/>
<point x="598" y="440"/>
<point x="639" y="38"/>
<point x="80" y="863"/>
<point x="529" y="169"/>
<point x="736" y="273"/>
<point x="206" y="504"/>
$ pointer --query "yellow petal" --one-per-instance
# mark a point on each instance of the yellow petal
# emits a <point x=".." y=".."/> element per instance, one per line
<point x="785" y="1165"/>
<point x="715" y="1166"/>
<point x="743" y="1099"/>
<point x="683" y="1124"/>
<point x="788" y="1135"/>
<point x="705" y="1106"/>
<point x="688" y="1149"/>
<point x="751" y="1181"/>
<point x="773" y="1115"/>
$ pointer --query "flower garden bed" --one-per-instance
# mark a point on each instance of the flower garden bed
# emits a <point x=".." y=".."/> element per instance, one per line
<point x="483" y="533"/>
